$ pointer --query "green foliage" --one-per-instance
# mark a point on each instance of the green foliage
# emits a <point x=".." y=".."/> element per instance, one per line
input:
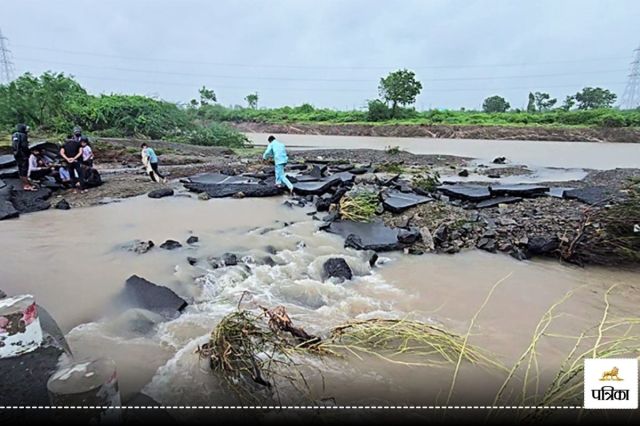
<point x="399" y="88"/>
<point x="359" y="205"/>
<point x="252" y="100"/>
<point x="544" y="102"/>
<point x="393" y="150"/>
<point x="495" y="104"/>
<point x="594" y="98"/>
<point x="568" y="103"/>
<point x="207" y="96"/>
<point x="531" y="105"/>
<point x="427" y="182"/>
<point x="378" y="111"/>
<point x="215" y="134"/>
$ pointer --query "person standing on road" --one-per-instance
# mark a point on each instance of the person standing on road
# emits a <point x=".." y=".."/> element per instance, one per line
<point x="71" y="152"/>
<point x="21" y="152"/>
<point x="278" y="151"/>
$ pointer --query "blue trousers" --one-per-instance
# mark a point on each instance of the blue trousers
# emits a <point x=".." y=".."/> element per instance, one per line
<point x="281" y="178"/>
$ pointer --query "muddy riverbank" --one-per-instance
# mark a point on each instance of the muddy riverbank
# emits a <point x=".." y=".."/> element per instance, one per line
<point x="580" y="134"/>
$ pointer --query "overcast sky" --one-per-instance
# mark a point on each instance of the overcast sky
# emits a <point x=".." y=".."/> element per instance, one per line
<point x="330" y="53"/>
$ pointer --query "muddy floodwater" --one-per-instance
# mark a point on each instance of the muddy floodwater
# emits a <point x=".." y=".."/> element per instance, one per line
<point x="591" y="155"/>
<point x="74" y="264"/>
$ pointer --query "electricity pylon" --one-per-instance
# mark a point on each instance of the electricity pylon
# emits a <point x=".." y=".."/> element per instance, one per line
<point x="6" y="66"/>
<point x="631" y="97"/>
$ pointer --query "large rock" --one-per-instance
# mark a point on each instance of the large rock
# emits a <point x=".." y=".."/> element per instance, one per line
<point x="366" y="236"/>
<point x="337" y="267"/>
<point x="23" y="379"/>
<point x="138" y="246"/>
<point x="7" y="210"/>
<point x="160" y="193"/>
<point x="466" y="192"/>
<point x="519" y="190"/>
<point x="591" y="195"/>
<point x="494" y="202"/>
<point x="30" y="201"/>
<point x="141" y="293"/>
<point x="542" y="245"/>
<point x="7" y="161"/>
<point x="170" y="245"/>
<point x="217" y="185"/>
<point x="396" y="201"/>
<point x="62" y="205"/>
<point x="9" y="173"/>
<point x="322" y="185"/>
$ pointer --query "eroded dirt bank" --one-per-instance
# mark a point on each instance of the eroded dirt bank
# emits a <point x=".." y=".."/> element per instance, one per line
<point x="584" y="134"/>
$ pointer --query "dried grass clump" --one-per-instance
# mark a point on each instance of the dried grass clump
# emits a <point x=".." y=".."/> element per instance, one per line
<point x="359" y="205"/>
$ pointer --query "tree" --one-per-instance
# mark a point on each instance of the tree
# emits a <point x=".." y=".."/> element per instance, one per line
<point x="495" y="104"/>
<point x="207" y="95"/>
<point x="378" y="111"/>
<point x="531" y="106"/>
<point x="400" y="88"/>
<point x="568" y="103"/>
<point x="544" y="102"/>
<point x="252" y="100"/>
<point x="593" y="98"/>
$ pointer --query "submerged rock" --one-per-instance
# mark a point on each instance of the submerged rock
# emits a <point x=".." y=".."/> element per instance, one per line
<point x="366" y="236"/>
<point x="62" y="205"/>
<point x="227" y="259"/>
<point x="499" y="160"/>
<point x="192" y="260"/>
<point x="464" y="173"/>
<point x="139" y="247"/>
<point x="144" y="294"/>
<point x="160" y="193"/>
<point x="192" y="239"/>
<point x="170" y="245"/>
<point x="337" y="267"/>
<point x="373" y="258"/>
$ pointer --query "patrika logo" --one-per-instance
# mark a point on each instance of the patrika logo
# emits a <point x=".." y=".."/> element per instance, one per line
<point x="618" y="391"/>
<point x="611" y="375"/>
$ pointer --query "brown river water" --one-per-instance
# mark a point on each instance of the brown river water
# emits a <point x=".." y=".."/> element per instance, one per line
<point x="72" y="261"/>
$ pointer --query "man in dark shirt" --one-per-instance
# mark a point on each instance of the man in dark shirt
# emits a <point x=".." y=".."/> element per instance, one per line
<point x="21" y="152"/>
<point x="72" y="153"/>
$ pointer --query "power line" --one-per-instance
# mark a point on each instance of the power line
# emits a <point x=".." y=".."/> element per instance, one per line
<point x="631" y="97"/>
<point x="283" y="66"/>
<point x="6" y="66"/>
<point x="236" y="77"/>
<point x="307" y="89"/>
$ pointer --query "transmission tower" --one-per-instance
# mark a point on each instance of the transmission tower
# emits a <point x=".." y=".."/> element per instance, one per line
<point x="631" y="97"/>
<point x="6" y="66"/>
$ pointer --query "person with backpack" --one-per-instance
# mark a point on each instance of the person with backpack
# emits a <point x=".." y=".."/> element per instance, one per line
<point x="21" y="153"/>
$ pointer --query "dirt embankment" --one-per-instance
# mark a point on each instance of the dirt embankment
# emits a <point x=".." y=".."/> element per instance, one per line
<point x="582" y="134"/>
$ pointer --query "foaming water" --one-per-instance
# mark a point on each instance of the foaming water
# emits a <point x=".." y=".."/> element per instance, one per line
<point x="74" y="264"/>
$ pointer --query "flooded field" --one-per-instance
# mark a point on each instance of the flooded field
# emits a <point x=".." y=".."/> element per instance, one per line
<point x="74" y="264"/>
<point x="589" y="155"/>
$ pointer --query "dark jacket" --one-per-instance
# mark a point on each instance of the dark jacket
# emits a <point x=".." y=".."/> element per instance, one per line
<point x="20" y="145"/>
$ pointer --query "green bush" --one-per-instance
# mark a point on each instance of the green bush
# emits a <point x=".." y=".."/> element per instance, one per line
<point x="214" y="134"/>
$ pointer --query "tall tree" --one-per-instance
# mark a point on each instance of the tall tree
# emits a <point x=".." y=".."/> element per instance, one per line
<point x="495" y="104"/>
<point x="593" y="98"/>
<point x="207" y="95"/>
<point x="252" y="100"/>
<point x="544" y="102"/>
<point x="531" y="106"/>
<point x="399" y="88"/>
<point x="568" y="103"/>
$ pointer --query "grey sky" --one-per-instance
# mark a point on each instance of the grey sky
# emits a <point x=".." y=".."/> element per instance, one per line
<point x="329" y="53"/>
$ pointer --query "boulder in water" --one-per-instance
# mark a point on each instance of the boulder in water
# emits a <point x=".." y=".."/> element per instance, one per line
<point x="144" y="294"/>
<point x="542" y="245"/>
<point x="160" y="193"/>
<point x="499" y="160"/>
<point x="337" y="267"/>
<point x="217" y="185"/>
<point x="138" y="246"/>
<point x="192" y="239"/>
<point x="366" y="236"/>
<point x="170" y="245"/>
<point x="62" y="205"/>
